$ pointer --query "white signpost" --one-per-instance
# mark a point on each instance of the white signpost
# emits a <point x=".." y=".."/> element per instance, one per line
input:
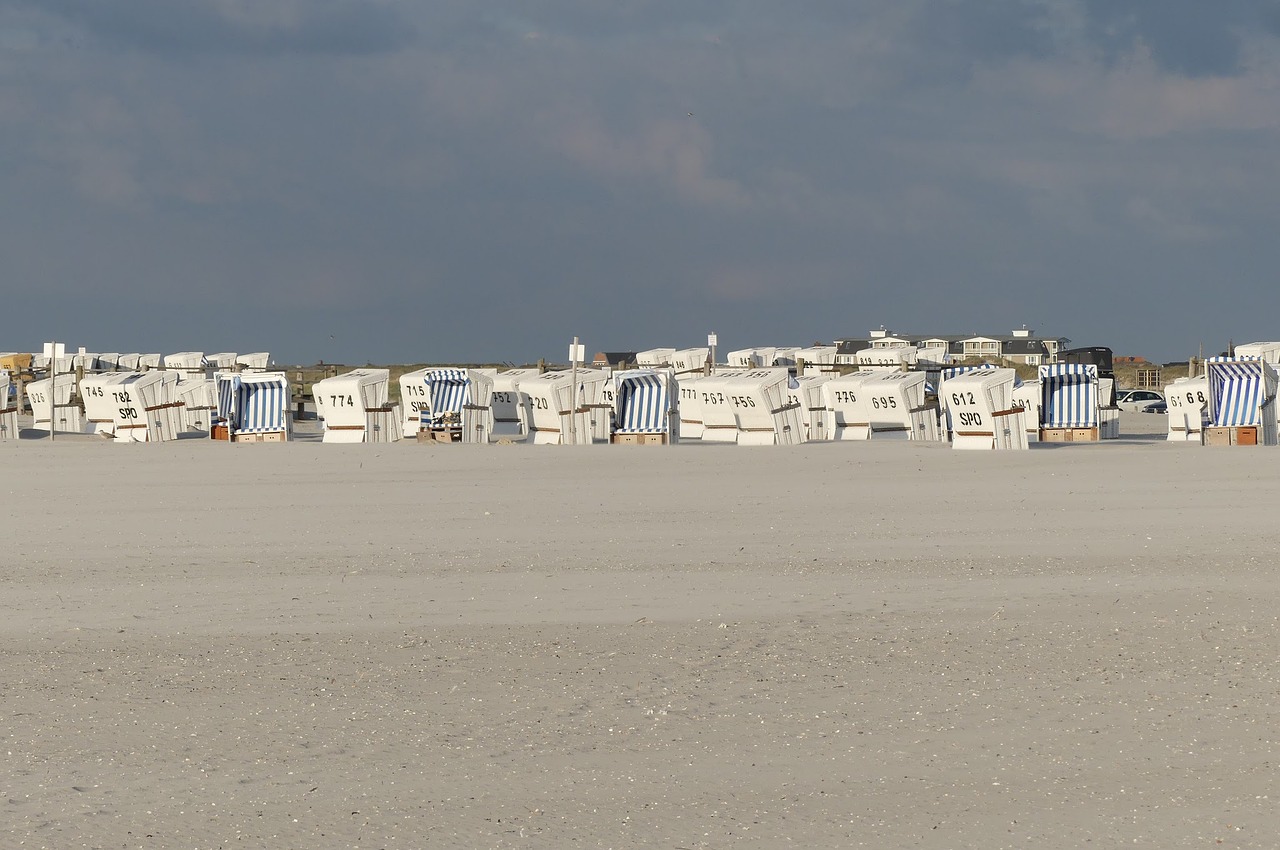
<point x="577" y="354"/>
<point x="712" y="339"/>
<point x="53" y="352"/>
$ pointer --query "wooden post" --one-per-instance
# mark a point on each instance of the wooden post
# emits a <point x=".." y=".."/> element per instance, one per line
<point x="79" y="378"/>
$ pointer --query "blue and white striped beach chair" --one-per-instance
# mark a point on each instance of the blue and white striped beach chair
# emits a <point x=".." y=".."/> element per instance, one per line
<point x="645" y="403"/>
<point x="254" y="404"/>
<point x="1068" y="395"/>
<point x="1242" y="394"/>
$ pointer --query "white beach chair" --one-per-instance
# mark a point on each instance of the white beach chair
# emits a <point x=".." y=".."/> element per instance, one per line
<point x="65" y="411"/>
<point x="982" y="414"/>
<point x="1187" y="403"/>
<point x="356" y="407"/>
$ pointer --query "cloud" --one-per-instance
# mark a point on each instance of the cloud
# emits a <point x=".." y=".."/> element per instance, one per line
<point x="1185" y="37"/>
<point x="674" y="154"/>
<point x="183" y="28"/>
<point x="1165" y="223"/>
<point x="1136" y="100"/>
<point x="774" y="281"/>
<point x="531" y="167"/>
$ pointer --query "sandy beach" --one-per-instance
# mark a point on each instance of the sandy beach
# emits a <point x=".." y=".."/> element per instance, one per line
<point x="888" y="645"/>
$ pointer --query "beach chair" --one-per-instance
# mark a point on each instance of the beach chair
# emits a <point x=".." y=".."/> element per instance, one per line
<point x="65" y="410"/>
<point x="882" y="405"/>
<point x="756" y="400"/>
<point x="645" y="407"/>
<point x="355" y="407"/>
<point x="558" y="412"/>
<point x="1242" y="398"/>
<point x="1069" y="410"/>
<point x="981" y="410"/>
<point x="1187" y="409"/>
<point x="805" y="391"/>
<point x="147" y="408"/>
<point x="457" y="406"/>
<point x="252" y="408"/>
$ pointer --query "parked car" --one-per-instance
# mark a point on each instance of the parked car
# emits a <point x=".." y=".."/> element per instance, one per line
<point x="1135" y="401"/>
<point x="1156" y="407"/>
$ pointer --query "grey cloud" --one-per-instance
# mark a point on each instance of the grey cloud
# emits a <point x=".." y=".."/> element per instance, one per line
<point x="485" y="180"/>
<point x="1186" y="36"/>
<point x="179" y="28"/>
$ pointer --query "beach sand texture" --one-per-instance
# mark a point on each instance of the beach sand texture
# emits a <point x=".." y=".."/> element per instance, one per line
<point x="837" y="645"/>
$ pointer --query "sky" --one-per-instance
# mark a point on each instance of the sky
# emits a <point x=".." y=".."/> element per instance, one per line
<point x="396" y="181"/>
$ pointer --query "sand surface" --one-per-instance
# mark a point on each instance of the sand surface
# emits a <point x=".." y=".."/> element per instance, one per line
<point x="837" y="645"/>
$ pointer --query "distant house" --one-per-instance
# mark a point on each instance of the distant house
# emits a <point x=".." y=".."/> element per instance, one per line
<point x="1017" y="346"/>
<point x="613" y="359"/>
<point x="1031" y="352"/>
<point x="847" y="350"/>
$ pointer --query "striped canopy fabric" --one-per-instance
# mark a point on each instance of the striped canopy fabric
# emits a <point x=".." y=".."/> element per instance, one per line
<point x="1237" y="391"/>
<point x="949" y="372"/>
<point x="254" y="404"/>
<point x="1069" y="395"/>
<point x="227" y="386"/>
<point x="447" y="393"/>
<point x="643" y="401"/>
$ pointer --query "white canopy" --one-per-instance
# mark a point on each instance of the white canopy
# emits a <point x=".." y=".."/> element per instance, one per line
<point x="186" y="361"/>
<point x="749" y="408"/>
<point x="222" y="361"/>
<point x="60" y="391"/>
<point x="1187" y="400"/>
<point x="103" y="395"/>
<point x="655" y="357"/>
<point x="511" y="404"/>
<point x="692" y="408"/>
<point x="841" y="397"/>
<point x="355" y="407"/>
<point x="557" y="408"/>
<point x="257" y="361"/>
<point x="148" y="408"/>
<point x="752" y="358"/>
<point x="887" y="359"/>
<point x="818" y="359"/>
<point x="805" y="391"/>
<point x="690" y="360"/>
<point x="199" y="397"/>
<point x="982" y="415"/>
<point x="1028" y="397"/>
<point x="1268" y="351"/>
<point x="883" y="405"/>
